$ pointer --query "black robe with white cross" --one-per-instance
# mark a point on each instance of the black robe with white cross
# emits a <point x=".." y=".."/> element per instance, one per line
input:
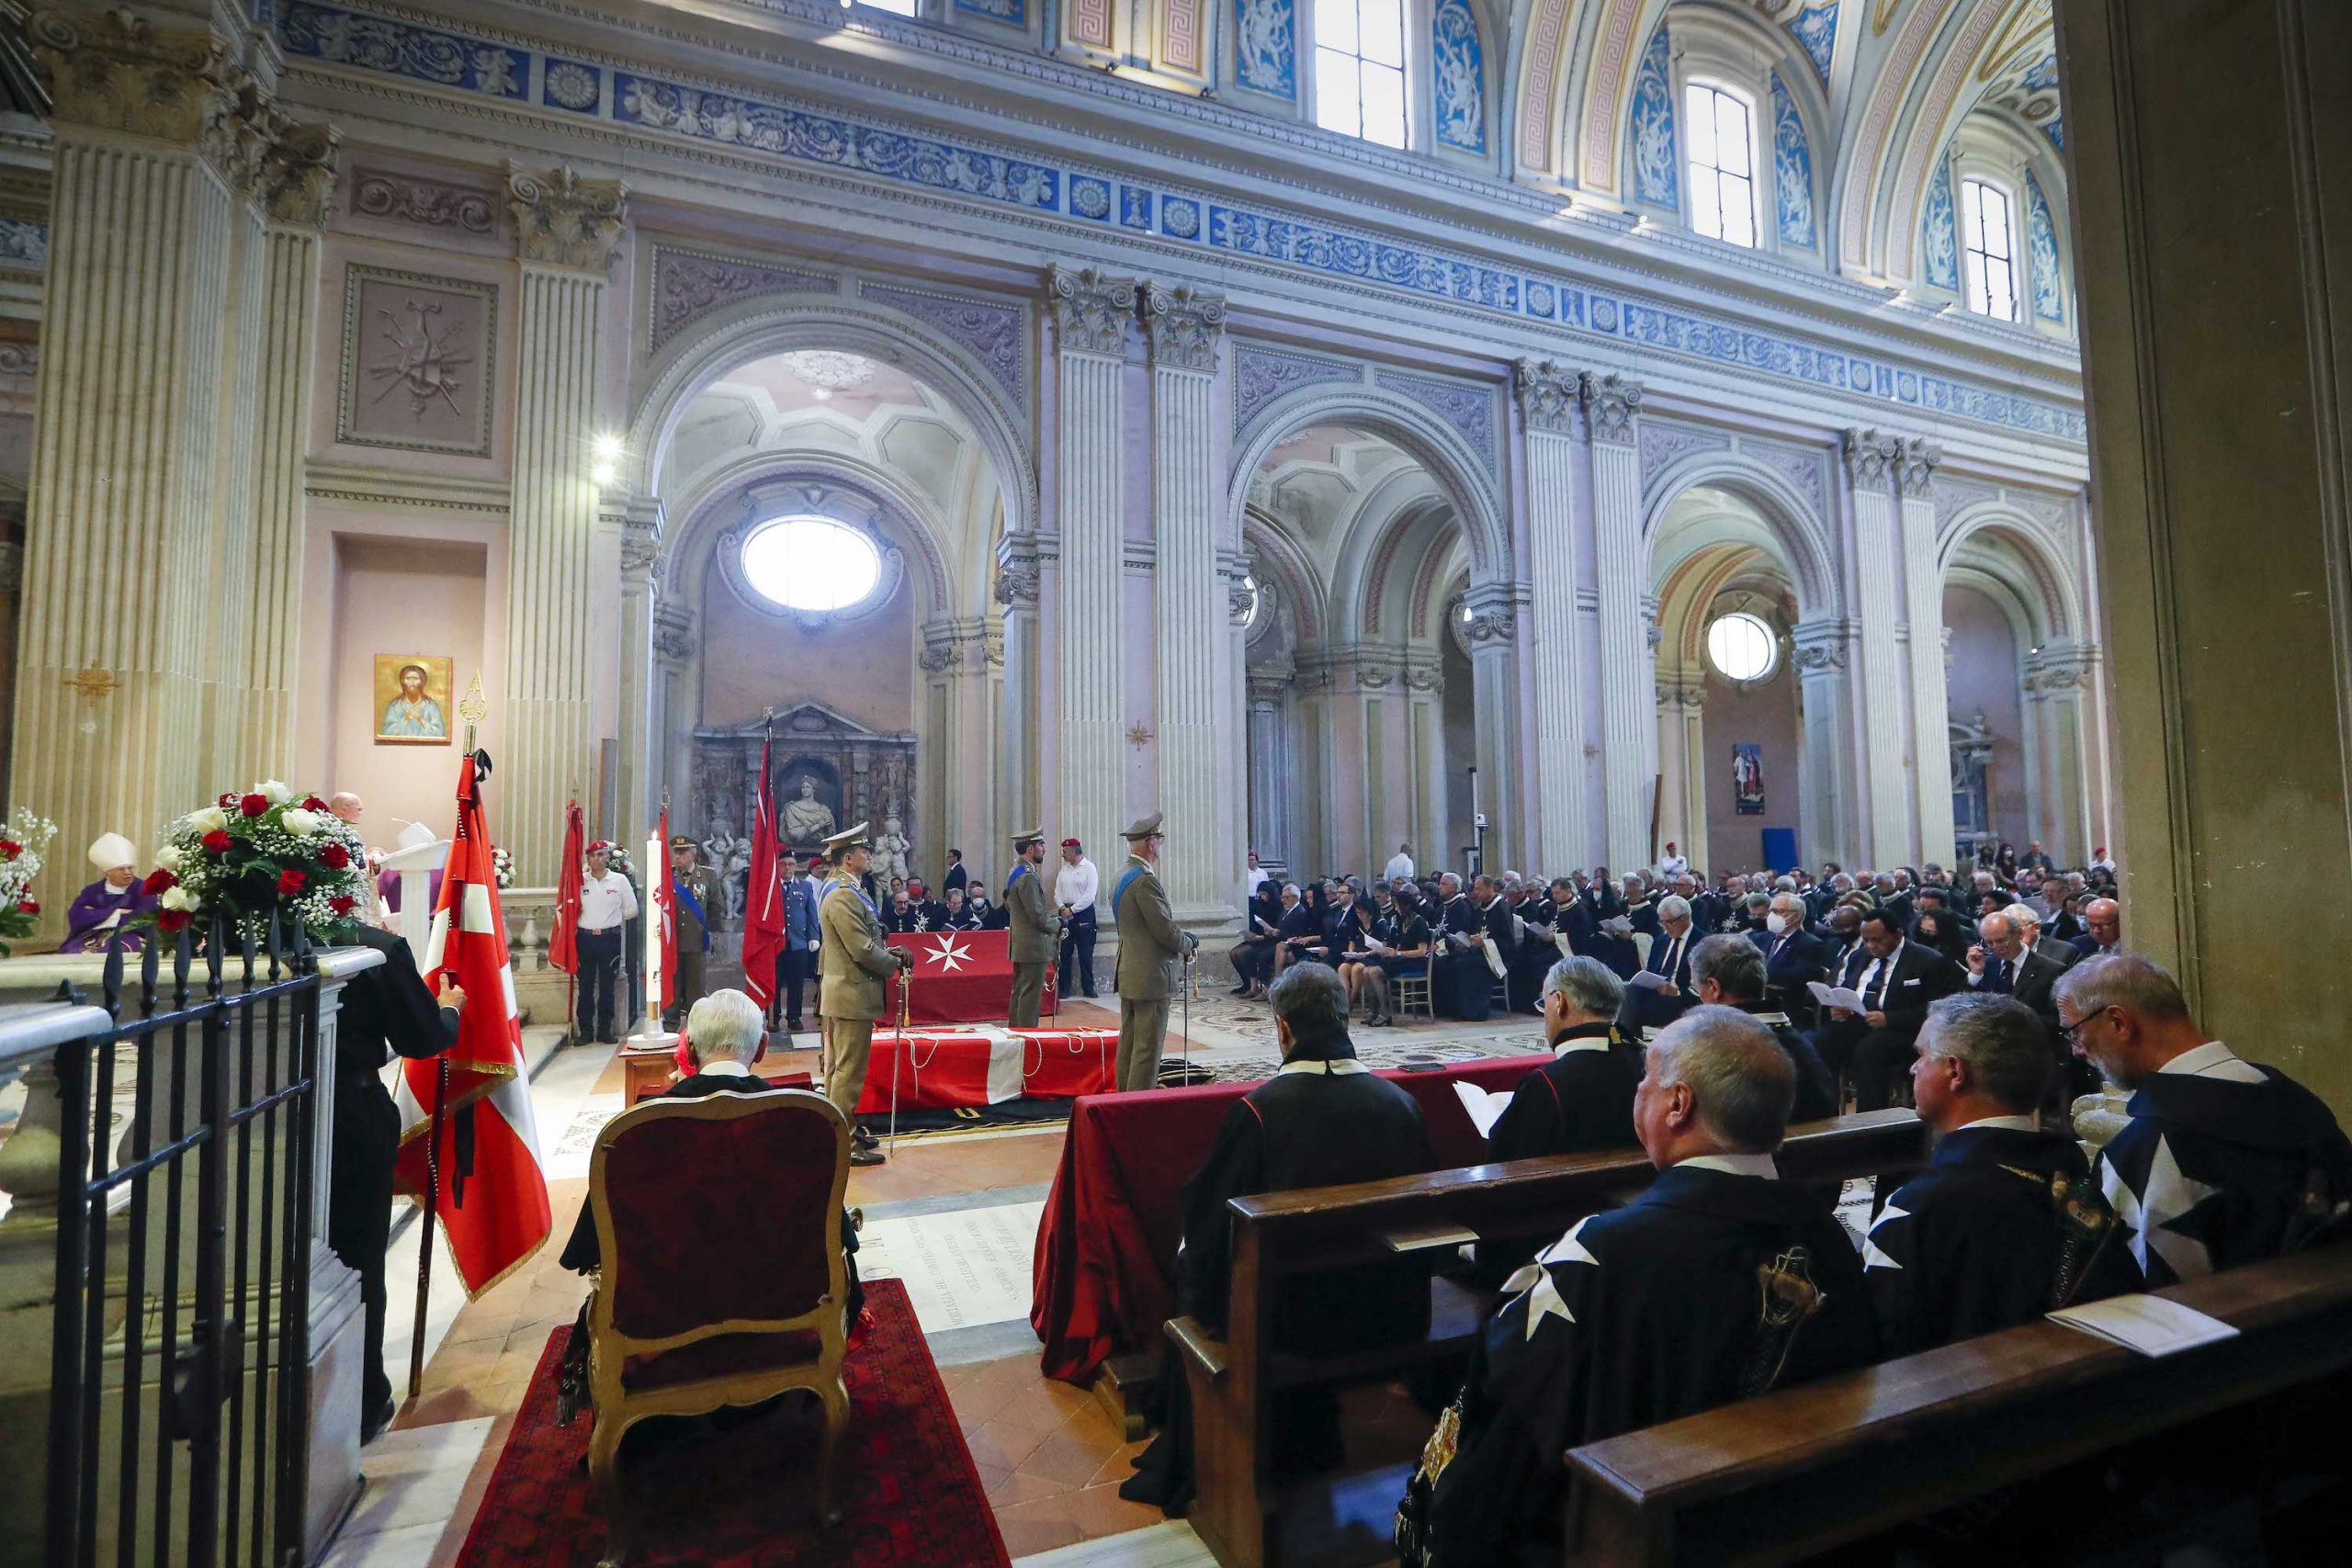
<point x="2210" y="1174"/>
<point x="1978" y="1241"/>
<point x="1636" y="1317"/>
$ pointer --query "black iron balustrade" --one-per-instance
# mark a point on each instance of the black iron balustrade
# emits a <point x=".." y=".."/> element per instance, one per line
<point x="209" y="1191"/>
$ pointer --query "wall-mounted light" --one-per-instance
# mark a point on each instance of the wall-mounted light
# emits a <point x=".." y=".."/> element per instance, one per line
<point x="606" y="452"/>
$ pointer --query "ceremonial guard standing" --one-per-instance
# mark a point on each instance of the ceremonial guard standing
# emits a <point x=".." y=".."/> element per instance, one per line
<point x="1036" y="930"/>
<point x="1151" y="955"/>
<point x="853" y="962"/>
<point x="697" y="899"/>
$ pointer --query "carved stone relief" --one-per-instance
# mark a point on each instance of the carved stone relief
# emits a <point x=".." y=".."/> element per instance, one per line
<point x="418" y="358"/>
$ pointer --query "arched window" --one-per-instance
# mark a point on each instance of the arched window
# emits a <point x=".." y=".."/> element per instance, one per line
<point x="811" y="563"/>
<point x="1988" y="243"/>
<point x="1723" y="163"/>
<point x="1360" y="69"/>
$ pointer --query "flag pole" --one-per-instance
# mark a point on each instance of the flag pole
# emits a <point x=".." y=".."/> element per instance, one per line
<point x="898" y="1058"/>
<point x="571" y="980"/>
<point x="471" y="708"/>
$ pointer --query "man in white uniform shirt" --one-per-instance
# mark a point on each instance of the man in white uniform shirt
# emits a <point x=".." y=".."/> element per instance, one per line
<point x="1399" y="866"/>
<point x="1256" y="874"/>
<point x="607" y="903"/>
<point x="1674" y="863"/>
<point x="1076" y="886"/>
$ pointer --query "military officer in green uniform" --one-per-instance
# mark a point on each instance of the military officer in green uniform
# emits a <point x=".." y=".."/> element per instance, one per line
<point x="1151" y="956"/>
<point x="854" y="962"/>
<point x="1036" y="929"/>
<point x="700" y="904"/>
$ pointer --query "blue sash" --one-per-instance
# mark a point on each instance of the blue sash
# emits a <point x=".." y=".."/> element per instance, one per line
<point x="693" y="905"/>
<point x="1125" y="880"/>
<point x="1018" y="873"/>
<point x="854" y="887"/>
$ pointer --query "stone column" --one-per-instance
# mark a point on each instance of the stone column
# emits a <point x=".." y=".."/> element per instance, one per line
<point x="1628" y="719"/>
<point x="674" y="705"/>
<point x="151" y="161"/>
<point x="1425" y="683"/>
<point x="2057" y="686"/>
<point x="1492" y="633"/>
<point x="1547" y="406"/>
<point x="568" y="233"/>
<point x="1190" y="608"/>
<point x="1270" y="775"/>
<point x="641" y="521"/>
<point x="1016" y="592"/>
<point x="1923" y="601"/>
<point x="298" y="176"/>
<point x="1873" y="466"/>
<point x="1825" y="697"/>
<point x="1091" y="314"/>
<point x="1681" y="761"/>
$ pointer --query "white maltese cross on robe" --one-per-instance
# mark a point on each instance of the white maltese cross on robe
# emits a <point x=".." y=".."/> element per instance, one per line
<point x="2167" y="1195"/>
<point x="1544" y="1298"/>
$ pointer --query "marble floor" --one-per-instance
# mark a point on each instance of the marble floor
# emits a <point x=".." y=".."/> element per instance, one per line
<point x="955" y="1217"/>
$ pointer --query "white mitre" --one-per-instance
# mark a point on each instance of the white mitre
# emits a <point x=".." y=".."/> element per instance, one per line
<point x="109" y="850"/>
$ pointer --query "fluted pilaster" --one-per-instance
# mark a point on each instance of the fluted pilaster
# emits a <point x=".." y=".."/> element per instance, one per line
<point x="1824" y="692"/>
<point x="1628" y="722"/>
<point x="1682" y="768"/>
<point x="1017" y="574"/>
<point x="568" y="232"/>
<point x="1873" y="468"/>
<point x="1270" y="771"/>
<point x="640" y="520"/>
<point x="1923" y="601"/>
<point x="1091" y="313"/>
<point x="1547" y="401"/>
<point x="121" y="556"/>
<point x="1182" y="327"/>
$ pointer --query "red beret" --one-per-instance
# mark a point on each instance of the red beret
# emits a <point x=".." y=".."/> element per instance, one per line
<point x="1069" y="843"/>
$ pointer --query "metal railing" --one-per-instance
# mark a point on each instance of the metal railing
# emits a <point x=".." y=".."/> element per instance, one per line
<point x="186" y="1133"/>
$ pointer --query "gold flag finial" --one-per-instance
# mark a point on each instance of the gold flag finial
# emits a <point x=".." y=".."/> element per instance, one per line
<point x="473" y="707"/>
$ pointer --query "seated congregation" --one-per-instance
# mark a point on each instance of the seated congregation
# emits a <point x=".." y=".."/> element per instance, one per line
<point x="1658" y="1240"/>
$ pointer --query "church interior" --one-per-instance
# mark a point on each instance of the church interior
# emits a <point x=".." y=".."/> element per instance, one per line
<point x="1172" y="616"/>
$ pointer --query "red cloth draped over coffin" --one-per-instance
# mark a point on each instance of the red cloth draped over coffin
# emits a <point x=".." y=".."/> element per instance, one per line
<point x="943" y="1068"/>
<point x="1108" y="1235"/>
<point x="960" y="977"/>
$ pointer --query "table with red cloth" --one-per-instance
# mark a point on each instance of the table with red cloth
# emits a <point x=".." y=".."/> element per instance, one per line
<point x="960" y="977"/>
<point x="1108" y="1236"/>
<point x="944" y="1068"/>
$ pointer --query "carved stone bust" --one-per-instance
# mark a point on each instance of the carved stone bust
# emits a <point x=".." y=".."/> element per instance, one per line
<point x="808" y="819"/>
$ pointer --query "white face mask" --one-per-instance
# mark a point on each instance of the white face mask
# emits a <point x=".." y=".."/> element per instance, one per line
<point x="1776" y="923"/>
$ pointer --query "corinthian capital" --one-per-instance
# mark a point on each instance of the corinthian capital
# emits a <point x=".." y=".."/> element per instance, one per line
<point x="1920" y="461"/>
<point x="1547" y="395"/>
<point x="1611" y="402"/>
<point x="1091" y="309"/>
<point x="562" y="220"/>
<point x="299" y="173"/>
<point x="1182" y="325"/>
<point x="1873" y="459"/>
<point x="114" y="71"/>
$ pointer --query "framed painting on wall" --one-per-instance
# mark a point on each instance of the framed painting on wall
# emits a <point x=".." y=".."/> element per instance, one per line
<point x="413" y="699"/>
<point x="1747" y="779"/>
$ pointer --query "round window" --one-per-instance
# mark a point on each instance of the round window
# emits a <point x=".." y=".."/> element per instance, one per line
<point x="811" y="563"/>
<point x="1742" y="646"/>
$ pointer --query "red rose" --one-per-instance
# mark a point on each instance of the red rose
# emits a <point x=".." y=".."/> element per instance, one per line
<point x="253" y="805"/>
<point x="172" y="920"/>
<point x="312" y="803"/>
<point x="217" y="841"/>
<point x="335" y="855"/>
<point x="340" y="904"/>
<point x="159" y="879"/>
<point x="289" y="882"/>
<point x="227" y="800"/>
<point x="10" y="849"/>
<point x="28" y="906"/>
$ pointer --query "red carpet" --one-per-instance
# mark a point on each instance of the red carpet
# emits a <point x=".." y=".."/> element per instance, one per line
<point x="909" y="1494"/>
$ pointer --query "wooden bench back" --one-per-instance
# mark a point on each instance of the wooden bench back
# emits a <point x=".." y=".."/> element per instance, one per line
<point x="1774" y="1479"/>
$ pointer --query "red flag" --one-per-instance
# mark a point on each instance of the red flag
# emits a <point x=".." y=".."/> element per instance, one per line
<point x="764" y="901"/>
<point x="493" y="1192"/>
<point x="665" y="912"/>
<point x="563" y="938"/>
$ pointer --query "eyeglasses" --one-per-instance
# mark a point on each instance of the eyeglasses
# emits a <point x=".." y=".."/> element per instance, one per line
<point x="2067" y="1032"/>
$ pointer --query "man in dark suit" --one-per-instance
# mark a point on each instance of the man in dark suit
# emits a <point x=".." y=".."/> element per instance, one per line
<point x="2105" y="919"/>
<point x="385" y="1010"/>
<point x="2003" y="965"/>
<point x="1654" y="1004"/>
<point x="1793" y="957"/>
<point x="1901" y="978"/>
<point x="1728" y="971"/>
<point x="957" y="877"/>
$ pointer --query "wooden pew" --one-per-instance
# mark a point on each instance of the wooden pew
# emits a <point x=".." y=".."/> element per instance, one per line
<point x="1314" y="1230"/>
<point x="1806" y="1468"/>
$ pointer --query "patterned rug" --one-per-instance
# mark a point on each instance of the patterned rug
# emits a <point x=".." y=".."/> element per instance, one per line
<point x="909" y="1494"/>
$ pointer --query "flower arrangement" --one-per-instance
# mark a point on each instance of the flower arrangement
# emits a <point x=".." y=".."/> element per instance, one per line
<point x="502" y="866"/>
<point x="616" y="859"/>
<point x="255" y="854"/>
<point x="20" y="861"/>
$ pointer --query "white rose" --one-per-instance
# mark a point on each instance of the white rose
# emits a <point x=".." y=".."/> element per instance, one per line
<point x="168" y="857"/>
<point x="276" y="794"/>
<point x="299" y="822"/>
<point x="177" y="898"/>
<point x="211" y="819"/>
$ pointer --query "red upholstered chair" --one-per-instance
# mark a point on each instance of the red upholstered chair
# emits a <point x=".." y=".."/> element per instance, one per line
<point x="686" y="1318"/>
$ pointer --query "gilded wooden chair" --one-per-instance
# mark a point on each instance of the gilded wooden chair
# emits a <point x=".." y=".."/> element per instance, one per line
<point x="685" y="1318"/>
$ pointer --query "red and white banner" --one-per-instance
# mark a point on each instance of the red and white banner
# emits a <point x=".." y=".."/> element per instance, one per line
<point x="764" y="895"/>
<point x="493" y="1191"/>
<point x="943" y="1068"/>
<point x="960" y="977"/>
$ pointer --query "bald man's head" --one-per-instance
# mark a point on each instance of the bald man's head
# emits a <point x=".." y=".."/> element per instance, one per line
<point x="346" y="805"/>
